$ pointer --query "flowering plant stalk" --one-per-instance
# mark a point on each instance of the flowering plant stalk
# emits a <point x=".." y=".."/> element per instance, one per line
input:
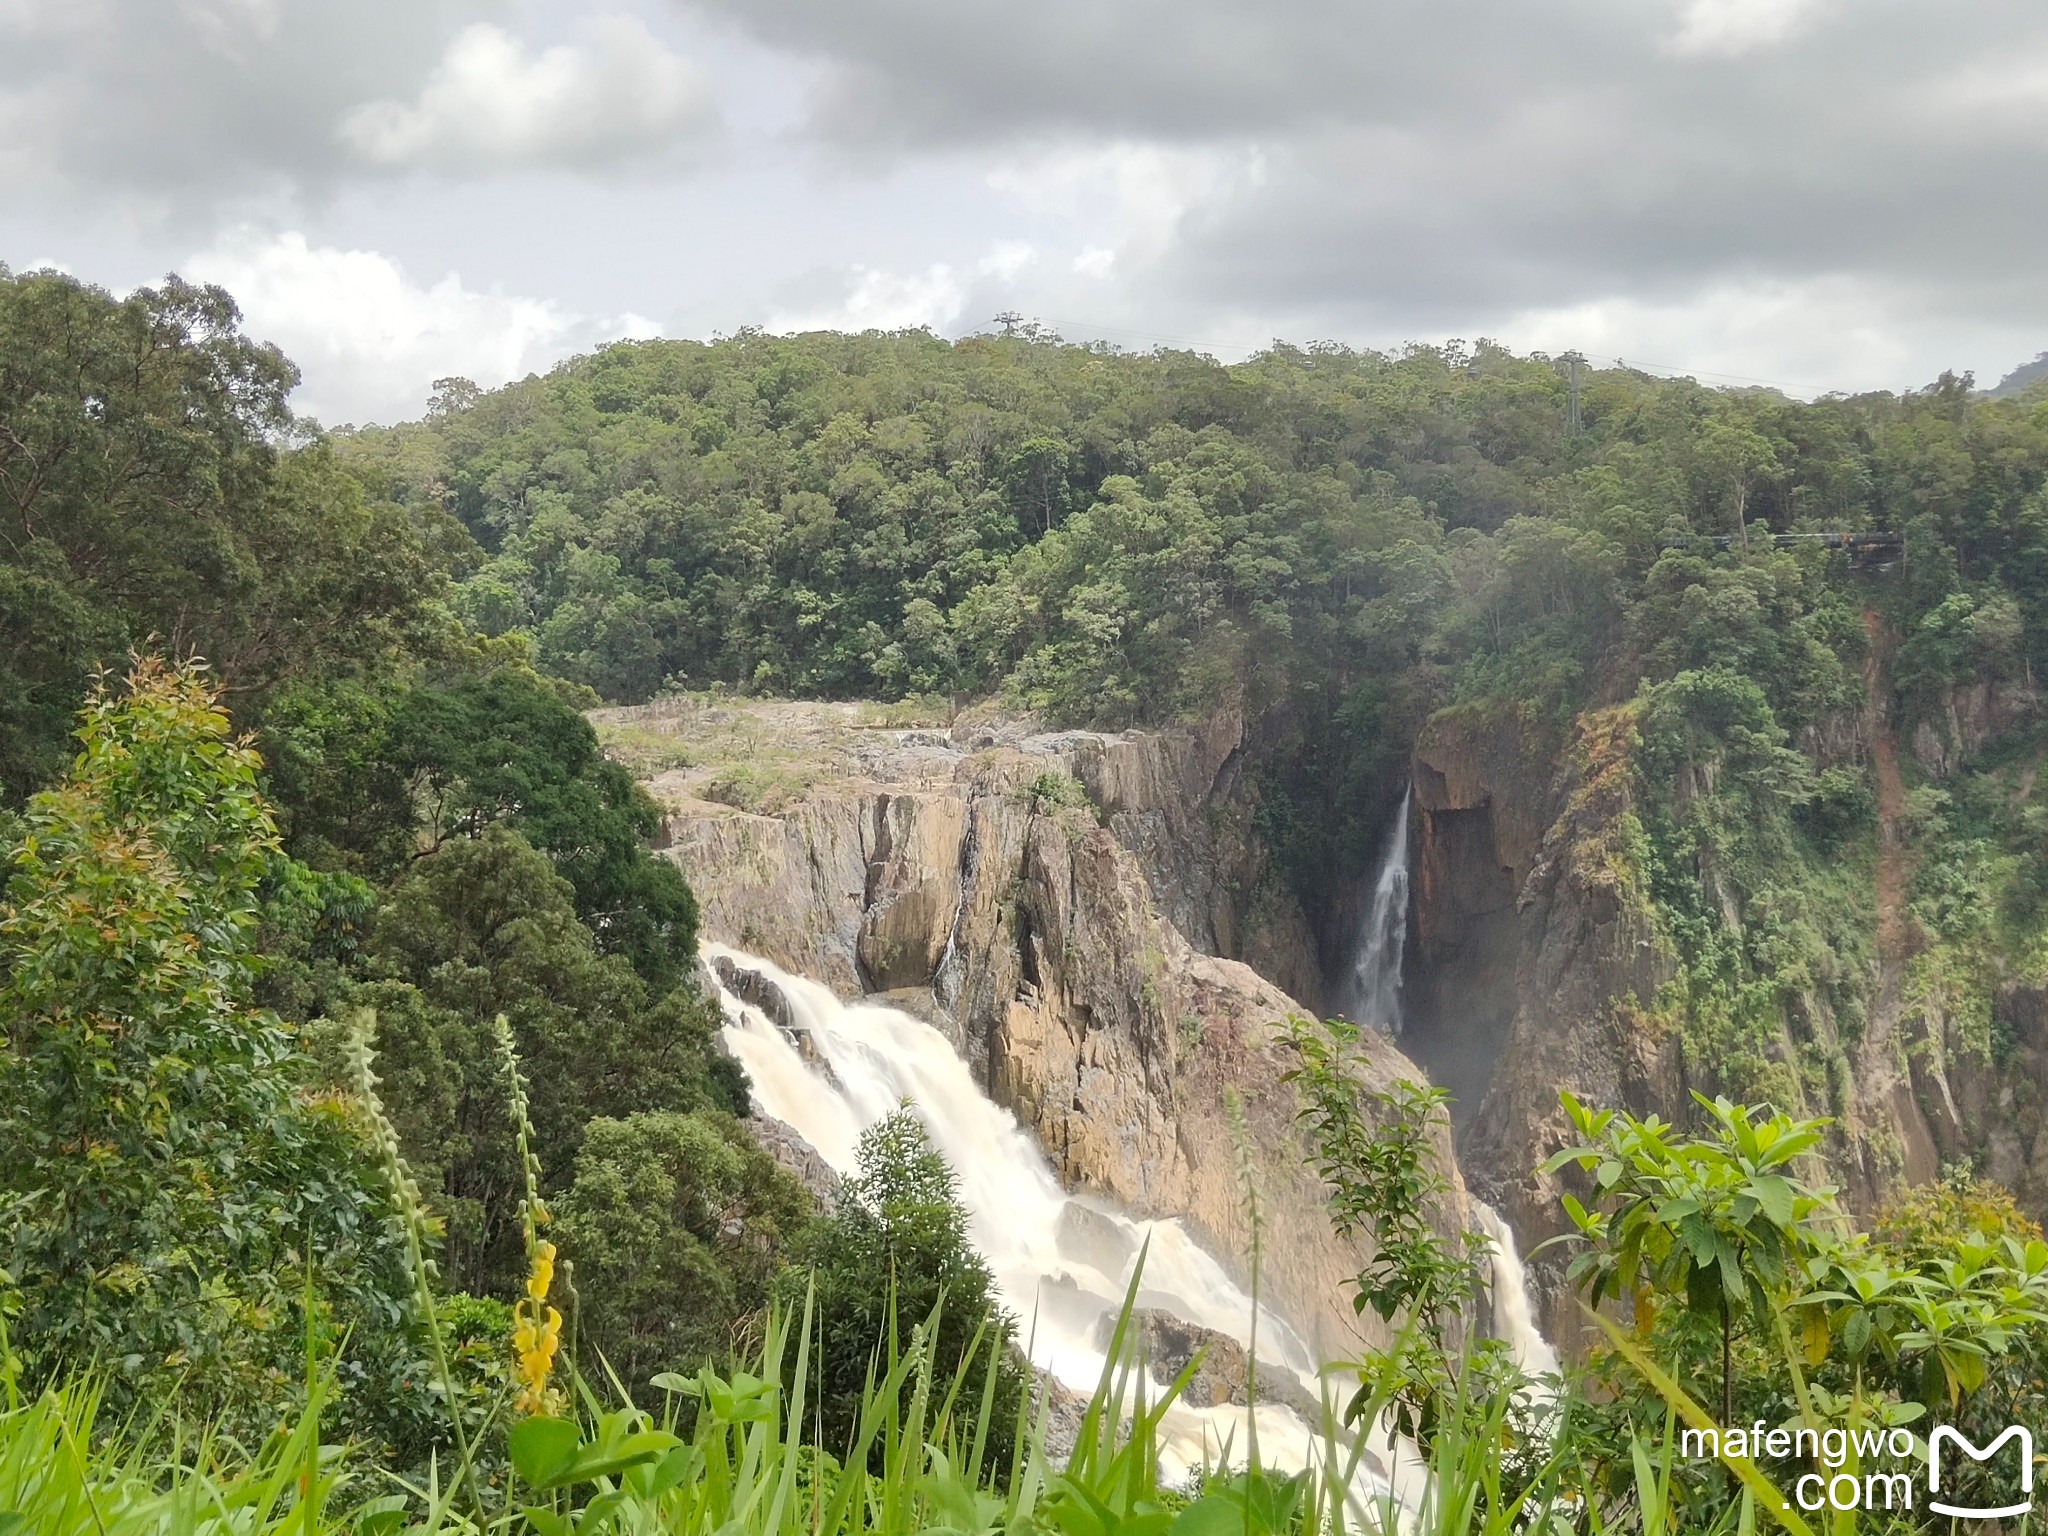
<point x="536" y="1326"/>
<point x="418" y="1223"/>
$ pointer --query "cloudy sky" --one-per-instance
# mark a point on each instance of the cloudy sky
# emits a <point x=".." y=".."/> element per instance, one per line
<point x="1812" y="193"/>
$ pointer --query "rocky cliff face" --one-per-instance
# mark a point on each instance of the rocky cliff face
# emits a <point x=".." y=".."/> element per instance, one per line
<point x="1481" y="791"/>
<point x="1541" y="965"/>
<point x="1035" y="897"/>
<point x="1528" y="951"/>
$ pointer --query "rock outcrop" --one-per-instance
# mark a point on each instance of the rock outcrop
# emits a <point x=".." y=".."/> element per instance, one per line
<point x="1027" y="893"/>
<point x="1170" y="1344"/>
<point x="1526" y="950"/>
<point x="1481" y="798"/>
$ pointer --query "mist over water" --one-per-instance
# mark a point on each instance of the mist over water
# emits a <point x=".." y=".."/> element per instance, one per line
<point x="1371" y="992"/>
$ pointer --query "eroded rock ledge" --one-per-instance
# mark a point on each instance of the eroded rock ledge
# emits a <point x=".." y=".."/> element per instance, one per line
<point x="1032" y="895"/>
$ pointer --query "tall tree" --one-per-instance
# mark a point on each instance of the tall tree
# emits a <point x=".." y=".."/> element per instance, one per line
<point x="155" y="486"/>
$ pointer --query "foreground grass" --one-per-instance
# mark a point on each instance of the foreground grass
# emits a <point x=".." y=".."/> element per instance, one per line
<point x="730" y="1456"/>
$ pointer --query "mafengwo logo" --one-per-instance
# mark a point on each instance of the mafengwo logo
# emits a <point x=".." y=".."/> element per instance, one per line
<point x="1850" y="1470"/>
<point x="1945" y="1435"/>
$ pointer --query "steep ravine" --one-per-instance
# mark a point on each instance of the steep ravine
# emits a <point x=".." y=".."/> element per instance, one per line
<point x="1031" y="896"/>
<point x="1059" y="905"/>
<point x="1538" y="967"/>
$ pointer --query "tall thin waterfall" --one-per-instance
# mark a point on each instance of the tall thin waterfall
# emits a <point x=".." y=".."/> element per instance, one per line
<point x="1061" y="1262"/>
<point x="1371" y="994"/>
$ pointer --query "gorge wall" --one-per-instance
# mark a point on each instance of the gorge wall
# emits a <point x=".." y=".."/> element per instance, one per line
<point x="1089" y="921"/>
<point x="1540" y="967"/>
<point x="1054" y="904"/>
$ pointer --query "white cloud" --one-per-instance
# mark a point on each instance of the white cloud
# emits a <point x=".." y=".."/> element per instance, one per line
<point x="371" y="341"/>
<point x="31" y="18"/>
<point x="1006" y="261"/>
<point x="875" y="300"/>
<point x="490" y="104"/>
<point x="1726" y="29"/>
<point x="1999" y="92"/>
<point x="1806" y="337"/>
<point x="1133" y="196"/>
<point x="229" y="26"/>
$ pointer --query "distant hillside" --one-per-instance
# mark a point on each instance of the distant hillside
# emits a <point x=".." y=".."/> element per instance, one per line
<point x="2022" y="377"/>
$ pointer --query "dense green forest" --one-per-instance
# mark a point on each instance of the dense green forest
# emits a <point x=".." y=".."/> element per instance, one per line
<point x="1357" y="542"/>
<point x="341" y="993"/>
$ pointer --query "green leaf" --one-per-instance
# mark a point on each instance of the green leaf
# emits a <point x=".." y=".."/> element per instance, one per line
<point x="547" y="1522"/>
<point x="543" y="1450"/>
<point x="603" y="1461"/>
<point x="1213" y="1515"/>
<point x="1752" y="1477"/>
<point x="669" y="1472"/>
<point x="1775" y="1196"/>
<point x="378" y="1517"/>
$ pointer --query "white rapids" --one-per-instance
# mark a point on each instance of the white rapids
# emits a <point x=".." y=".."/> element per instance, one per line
<point x="1061" y="1262"/>
<point x="1514" y="1320"/>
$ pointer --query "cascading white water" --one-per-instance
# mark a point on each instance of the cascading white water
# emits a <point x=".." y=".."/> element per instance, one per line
<point x="1372" y="992"/>
<point x="1061" y="1263"/>
<point x="1513" y="1318"/>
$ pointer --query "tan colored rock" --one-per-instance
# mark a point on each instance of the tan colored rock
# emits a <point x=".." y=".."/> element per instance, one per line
<point x="913" y="888"/>
<point x="1141" y="1063"/>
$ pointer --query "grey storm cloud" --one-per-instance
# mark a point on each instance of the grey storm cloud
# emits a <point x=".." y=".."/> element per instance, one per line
<point x="186" y="99"/>
<point x="1828" y="189"/>
<point x="1494" y="152"/>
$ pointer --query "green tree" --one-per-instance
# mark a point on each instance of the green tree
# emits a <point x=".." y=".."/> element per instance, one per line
<point x="1738" y="457"/>
<point x="1381" y="1151"/>
<point x="154" y="487"/>
<point x="1723" y="1224"/>
<point x="167" y="1182"/>
<point x="486" y="926"/>
<point x="892" y="1251"/>
<point x="376" y="777"/>
<point x="677" y="1225"/>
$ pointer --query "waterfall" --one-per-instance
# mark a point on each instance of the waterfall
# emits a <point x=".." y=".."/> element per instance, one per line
<point x="1371" y="994"/>
<point x="1061" y="1262"/>
<point x="1513" y="1318"/>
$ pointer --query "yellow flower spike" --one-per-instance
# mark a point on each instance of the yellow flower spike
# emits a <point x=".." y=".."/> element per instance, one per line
<point x="537" y="1336"/>
<point x="543" y="1274"/>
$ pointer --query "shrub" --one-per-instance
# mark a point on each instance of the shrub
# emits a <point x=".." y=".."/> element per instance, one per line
<point x="168" y="1187"/>
<point x="677" y="1225"/>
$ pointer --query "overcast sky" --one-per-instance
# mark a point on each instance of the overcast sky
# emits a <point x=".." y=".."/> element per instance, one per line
<point x="1820" y="194"/>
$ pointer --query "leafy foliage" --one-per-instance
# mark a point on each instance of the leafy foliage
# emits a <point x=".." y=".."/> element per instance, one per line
<point x="372" y="780"/>
<point x="171" y="1194"/>
<point x="154" y="487"/>
<point x="1742" y="1275"/>
<point x="677" y="1224"/>
<point x="1723" y="1222"/>
<point x="484" y="927"/>
<point x="1380" y="1151"/>
<point x="893" y="1253"/>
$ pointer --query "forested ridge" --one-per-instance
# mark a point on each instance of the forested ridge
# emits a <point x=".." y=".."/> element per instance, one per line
<point x="1352" y="542"/>
<point x="339" y="984"/>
